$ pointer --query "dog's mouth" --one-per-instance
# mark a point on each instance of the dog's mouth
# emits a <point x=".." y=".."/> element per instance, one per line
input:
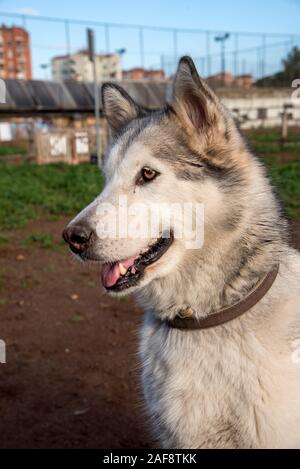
<point x="120" y="275"/>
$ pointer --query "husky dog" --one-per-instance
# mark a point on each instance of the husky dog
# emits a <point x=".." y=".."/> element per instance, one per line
<point x="235" y="385"/>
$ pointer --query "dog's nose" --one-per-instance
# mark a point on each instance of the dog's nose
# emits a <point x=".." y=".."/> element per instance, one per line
<point x="78" y="237"/>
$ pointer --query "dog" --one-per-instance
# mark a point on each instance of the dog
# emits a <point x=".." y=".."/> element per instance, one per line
<point x="229" y="384"/>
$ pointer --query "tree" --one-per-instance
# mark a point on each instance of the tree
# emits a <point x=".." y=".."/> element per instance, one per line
<point x="292" y="64"/>
<point x="291" y="71"/>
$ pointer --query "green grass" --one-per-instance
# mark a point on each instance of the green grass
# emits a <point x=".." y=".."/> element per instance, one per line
<point x="272" y="137"/>
<point x="273" y="148"/>
<point x="286" y="177"/>
<point x="8" y="151"/>
<point x="269" y="142"/>
<point x="3" y="239"/>
<point x="28" y="192"/>
<point x="2" y="279"/>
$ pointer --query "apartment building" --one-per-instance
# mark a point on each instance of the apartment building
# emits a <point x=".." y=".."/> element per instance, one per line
<point x="144" y="74"/>
<point x="227" y="80"/>
<point x="78" y="67"/>
<point x="15" y="55"/>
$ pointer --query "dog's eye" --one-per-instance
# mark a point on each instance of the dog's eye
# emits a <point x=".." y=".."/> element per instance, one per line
<point x="147" y="175"/>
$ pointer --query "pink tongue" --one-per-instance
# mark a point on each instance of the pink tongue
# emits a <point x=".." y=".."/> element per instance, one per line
<point x="111" y="272"/>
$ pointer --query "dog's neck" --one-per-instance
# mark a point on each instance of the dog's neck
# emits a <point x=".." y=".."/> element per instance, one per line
<point x="206" y="286"/>
<point x="226" y="268"/>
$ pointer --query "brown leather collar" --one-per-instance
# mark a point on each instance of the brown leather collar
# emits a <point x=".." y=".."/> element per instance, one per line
<point x="186" y="320"/>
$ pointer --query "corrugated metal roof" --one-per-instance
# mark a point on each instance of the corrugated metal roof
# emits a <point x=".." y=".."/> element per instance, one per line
<point x="37" y="95"/>
<point x="81" y="95"/>
<point x="149" y="94"/>
<point x="34" y="96"/>
<point x="41" y="94"/>
<point x="18" y="96"/>
<point x="62" y="96"/>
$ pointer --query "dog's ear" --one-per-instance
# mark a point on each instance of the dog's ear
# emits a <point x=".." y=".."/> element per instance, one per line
<point x="193" y="101"/>
<point x="118" y="107"/>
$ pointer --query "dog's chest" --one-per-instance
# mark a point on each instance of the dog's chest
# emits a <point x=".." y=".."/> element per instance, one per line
<point x="193" y="387"/>
<point x="202" y="389"/>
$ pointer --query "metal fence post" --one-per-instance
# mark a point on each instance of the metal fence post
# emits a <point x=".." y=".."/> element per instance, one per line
<point x="175" y="48"/>
<point x="68" y="40"/>
<point x="91" y="48"/>
<point x="142" y="52"/>
<point x="208" y="57"/>
<point x="236" y="54"/>
<point x="107" y="38"/>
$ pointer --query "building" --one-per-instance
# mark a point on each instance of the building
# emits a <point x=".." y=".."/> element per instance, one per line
<point x="261" y="107"/>
<point x="15" y="56"/>
<point x="220" y="79"/>
<point x="244" y="81"/>
<point x="143" y="74"/>
<point x="227" y="80"/>
<point x="78" y="67"/>
<point x="134" y="74"/>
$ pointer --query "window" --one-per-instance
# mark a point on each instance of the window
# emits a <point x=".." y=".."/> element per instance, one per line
<point x="236" y="113"/>
<point x="262" y="113"/>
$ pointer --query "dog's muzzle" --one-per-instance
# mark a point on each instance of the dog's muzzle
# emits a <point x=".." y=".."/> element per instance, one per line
<point x="78" y="237"/>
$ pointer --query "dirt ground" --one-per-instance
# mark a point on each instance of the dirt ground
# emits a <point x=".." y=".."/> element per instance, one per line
<point x="71" y="377"/>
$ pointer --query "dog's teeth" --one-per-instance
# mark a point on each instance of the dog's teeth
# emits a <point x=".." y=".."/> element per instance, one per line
<point x="122" y="269"/>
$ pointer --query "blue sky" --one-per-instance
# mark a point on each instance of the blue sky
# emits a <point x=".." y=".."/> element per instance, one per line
<point x="261" y="16"/>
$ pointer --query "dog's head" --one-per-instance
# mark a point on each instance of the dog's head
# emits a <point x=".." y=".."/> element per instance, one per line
<point x="157" y="160"/>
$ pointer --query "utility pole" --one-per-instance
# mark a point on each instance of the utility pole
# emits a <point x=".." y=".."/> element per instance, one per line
<point x="222" y="40"/>
<point x="45" y="67"/>
<point x="284" y="122"/>
<point x="121" y="53"/>
<point x="91" y="50"/>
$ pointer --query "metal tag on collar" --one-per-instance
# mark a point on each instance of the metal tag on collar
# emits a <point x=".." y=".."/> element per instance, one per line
<point x="186" y="313"/>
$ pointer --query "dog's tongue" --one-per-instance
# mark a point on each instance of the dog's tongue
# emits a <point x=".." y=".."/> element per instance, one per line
<point x="112" y="272"/>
